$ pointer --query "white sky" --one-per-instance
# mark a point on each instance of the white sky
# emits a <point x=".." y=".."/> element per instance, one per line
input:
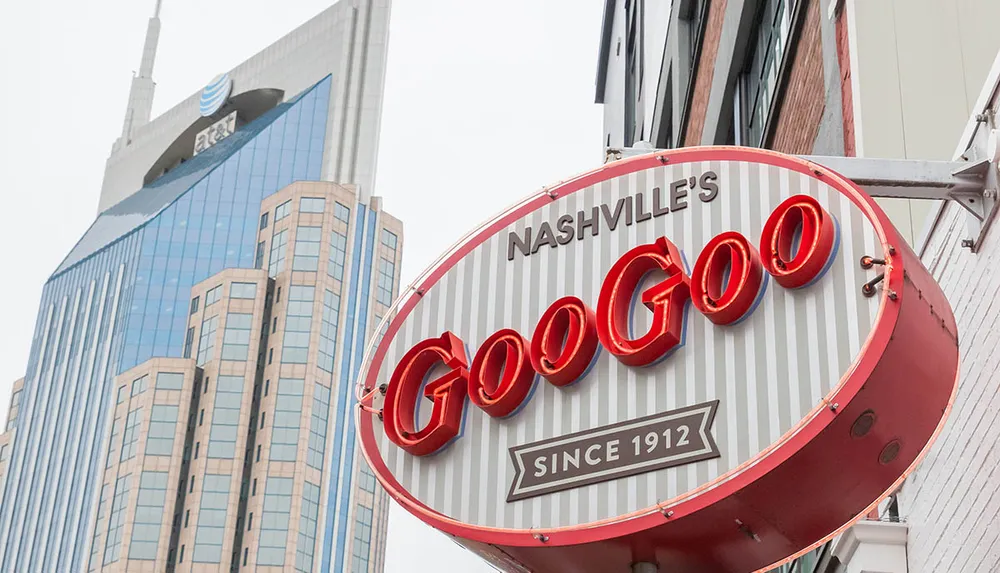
<point x="485" y="103"/>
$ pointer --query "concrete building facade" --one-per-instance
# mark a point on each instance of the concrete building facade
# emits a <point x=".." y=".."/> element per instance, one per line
<point x="893" y="80"/>
<point x="188" y="404"/>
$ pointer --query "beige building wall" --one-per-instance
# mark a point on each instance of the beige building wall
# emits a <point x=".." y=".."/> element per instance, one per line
<point x="225" y="330"/>
<point x="917" y="68"/>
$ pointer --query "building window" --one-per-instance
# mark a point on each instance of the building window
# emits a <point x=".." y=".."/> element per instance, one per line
<point x="211" y="530"/>
<point x="243" y="290"/>
<point x="263" y="221"/>
<point x="341" y="212"/>
<point x="98" y="528"/>
<point x="169" y="381"/>
<point x="115" y="428"/>
<point x="274" y="521"/>
<point x="386" y="272"/>
<point x="148" y="515"/>
<point x="367" y="480"/>
<point x="116" y="521"/>
<point x="307" y="528"/>
<point x="759" y="79"/>
<point x="317" y="427"/>
<point x="206" y="343"/>
<point x="282" y="211"/>
<point x="188" y="342"/>
<point x="162" y="426"/>
<point x="633" y="67"/>
<point x="236" y="339"/>
<point x="276" y="263"/>
<point x="131" y="435"/>
<point x="307" y="240"/>
<point x="213" y="296"/>
<point x="259" y="260"/>
<point x="298" y="323"/>
<point x="389" y="239"/>
<point x="312" y="205"/>
<point x="287" y="414"/>
<point x="194" y="304"/>
<point x="122" y="394"/>
<point x="328" y="331"/>
<point x="139" y="385"/>
<point x="362" y="539"/>
<point x="225" y="417"/>
<point x="338" y="254"/>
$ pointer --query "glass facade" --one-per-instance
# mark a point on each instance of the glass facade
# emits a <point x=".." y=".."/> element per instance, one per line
<point x="122" y="296"/>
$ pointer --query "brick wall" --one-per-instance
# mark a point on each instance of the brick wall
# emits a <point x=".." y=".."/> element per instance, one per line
<point x="847" y="100"/>
<point x="800" y="109"/>
<point x="704" y="73"/>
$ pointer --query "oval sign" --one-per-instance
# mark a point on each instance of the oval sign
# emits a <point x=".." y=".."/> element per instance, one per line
<point x="673" y="359"/>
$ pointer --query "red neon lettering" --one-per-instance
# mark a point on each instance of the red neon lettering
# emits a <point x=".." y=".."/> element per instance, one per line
<point x="798" y="219"/>
<point x="666" y="300"/>
<point x="565" y="341"/>
<point x="448" y="393"/>
<point x="501" y="374"/>
<point x="727" y="278"/>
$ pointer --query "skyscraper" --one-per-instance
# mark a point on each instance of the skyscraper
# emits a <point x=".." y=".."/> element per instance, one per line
<point x="188" y="400"/>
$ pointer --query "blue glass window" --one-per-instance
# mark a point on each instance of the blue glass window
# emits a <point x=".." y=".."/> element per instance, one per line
<point x="162" y="426"/>
<point x="169" y="381"/>
<point x="328" y="331"/>
<point x="317" y="427"/>
<point x="282" y="211"/>
<point x="148" y="515"/>
<point x="338" y="254"/>
<point x="276" y="263"/>
<point x="213" y="295"/>
<point x="211" y="532"/>
<point x="225" y="417"/>
<point x="206" y="343"/>
<point x="274" y="522"/>
<point x="116" y="522"/>
<point x="383" y="290"/>
<point x="389" y="239"/>
<point x="342" y="213"/>
<point x="287" y="415"/>
<point x="307" y="528"/>
<point x="236" y="338"/>
<point x="362" y="539"/>
<point x="243" y="290"/>
<point x="298" y="323"/>
<point x="312" y="205"/>
<point x="307" y="240"/>
<point x="131" y="435"/>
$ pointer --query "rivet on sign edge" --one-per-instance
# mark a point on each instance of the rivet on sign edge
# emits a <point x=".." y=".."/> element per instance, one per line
<point x="552" y="194"/>
<point x="540" y="537"/>
<point x="662" y="158"/>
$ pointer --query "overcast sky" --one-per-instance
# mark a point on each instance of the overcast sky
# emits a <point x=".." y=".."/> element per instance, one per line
<point x="485" y="102"/>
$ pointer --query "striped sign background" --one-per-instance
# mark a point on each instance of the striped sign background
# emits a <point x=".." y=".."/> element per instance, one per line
<point x="768" y="371"/>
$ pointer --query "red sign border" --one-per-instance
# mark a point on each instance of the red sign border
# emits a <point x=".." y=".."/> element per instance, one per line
<point x="723" y="486"/>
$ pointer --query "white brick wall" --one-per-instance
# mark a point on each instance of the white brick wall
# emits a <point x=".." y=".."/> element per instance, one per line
<point x="952" y="500"/>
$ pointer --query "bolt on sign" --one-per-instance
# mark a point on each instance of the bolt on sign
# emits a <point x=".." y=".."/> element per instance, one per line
<point x="710" y="359"/>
